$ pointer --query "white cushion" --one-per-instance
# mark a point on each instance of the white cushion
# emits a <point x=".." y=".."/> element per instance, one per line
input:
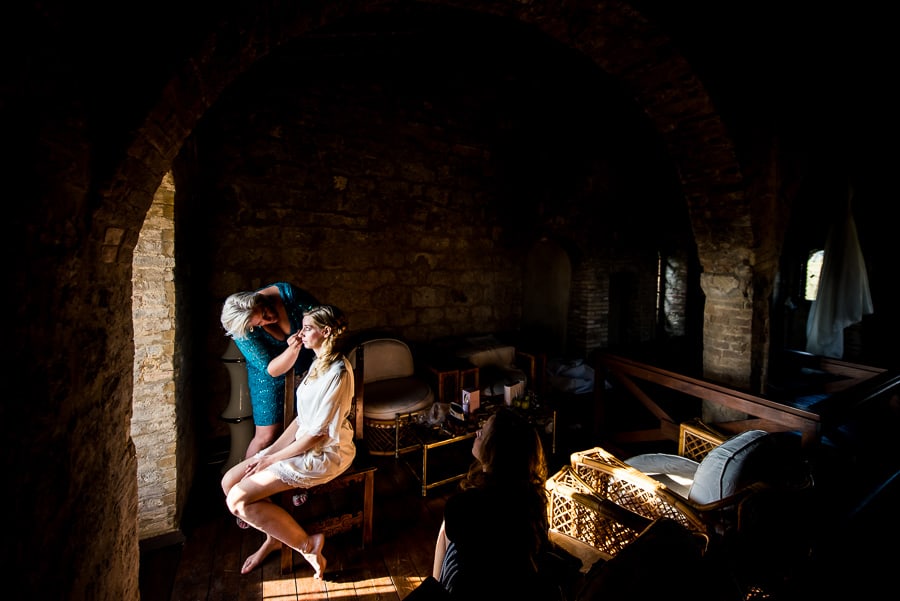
<point x="675" y="471"/>
<point x="391" y="386"/>
<point x="722" y="471"/>
<point x="496" y="363"/>
<point x="384" y="359"/>
<point x="385" y="399"/>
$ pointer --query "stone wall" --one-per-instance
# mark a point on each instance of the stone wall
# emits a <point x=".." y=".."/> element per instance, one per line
<point x="388" y="192"/>
<point x="98" y="114"/>
<point x="154" y="423"/>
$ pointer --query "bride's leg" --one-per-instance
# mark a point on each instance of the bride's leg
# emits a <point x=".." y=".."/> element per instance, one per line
<point x="269" y="546"/>
<point x="312" y="552"/>
<point x="250" y="500"/>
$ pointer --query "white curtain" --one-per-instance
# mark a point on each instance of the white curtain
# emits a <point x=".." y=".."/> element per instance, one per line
<point x="843" y="295"/>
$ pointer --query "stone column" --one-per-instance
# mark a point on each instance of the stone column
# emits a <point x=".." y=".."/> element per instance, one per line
<point x="727" y="325"/>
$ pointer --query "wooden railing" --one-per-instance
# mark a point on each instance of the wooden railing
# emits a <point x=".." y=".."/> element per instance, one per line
<point x="852" y="402"/>
<point x="627" y="378"/>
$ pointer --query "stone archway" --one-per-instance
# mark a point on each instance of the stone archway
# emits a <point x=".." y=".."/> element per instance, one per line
<point x="612" y="34"/>
<point x="661" y="81"/>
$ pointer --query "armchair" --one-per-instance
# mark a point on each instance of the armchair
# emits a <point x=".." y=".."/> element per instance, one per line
<point x="712" y="493"/>
<point x="599" y="505"/>
<point x="390" y="393"/>
<point x="749" y="496"/>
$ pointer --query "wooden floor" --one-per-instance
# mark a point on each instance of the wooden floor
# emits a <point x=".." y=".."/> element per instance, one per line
<point x="207" y="566"/>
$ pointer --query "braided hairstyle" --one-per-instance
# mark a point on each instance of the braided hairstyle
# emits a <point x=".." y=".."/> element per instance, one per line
<point x="331" y="317"/>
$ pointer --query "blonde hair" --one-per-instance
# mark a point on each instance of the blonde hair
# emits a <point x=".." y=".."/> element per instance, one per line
<point x="238" y="310"/>
<point x="327" y="316"/>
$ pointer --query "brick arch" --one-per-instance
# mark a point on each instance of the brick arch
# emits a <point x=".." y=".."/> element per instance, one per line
<point x="616" y="37"/>
<point x="613" y="34"/>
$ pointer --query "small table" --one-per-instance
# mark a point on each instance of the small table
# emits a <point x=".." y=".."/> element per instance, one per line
<point x="445" y="459"/>
<point x="439" y="443"/>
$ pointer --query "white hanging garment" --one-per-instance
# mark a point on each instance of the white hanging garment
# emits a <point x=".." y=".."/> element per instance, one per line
<point x="843" y="296"/>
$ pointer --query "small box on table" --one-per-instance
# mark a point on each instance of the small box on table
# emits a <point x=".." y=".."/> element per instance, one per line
<point x="514" y="391"/>
<point x="471" y="400"/>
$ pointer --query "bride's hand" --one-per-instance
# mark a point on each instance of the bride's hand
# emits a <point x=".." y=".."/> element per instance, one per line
<point x="260" y="464"/>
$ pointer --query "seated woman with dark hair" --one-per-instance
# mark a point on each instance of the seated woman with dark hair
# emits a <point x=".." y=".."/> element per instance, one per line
<point x="494" y="540"/>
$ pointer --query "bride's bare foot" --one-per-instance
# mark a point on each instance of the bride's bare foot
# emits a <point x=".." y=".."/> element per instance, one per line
<point x="270" y="545"/>
<point x="314" y="555"/>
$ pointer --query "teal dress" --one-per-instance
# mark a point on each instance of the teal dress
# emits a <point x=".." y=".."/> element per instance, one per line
<point x="260" y="347"/>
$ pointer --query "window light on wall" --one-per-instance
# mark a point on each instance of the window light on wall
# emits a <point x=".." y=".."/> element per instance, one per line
<point x="813" y="271"/>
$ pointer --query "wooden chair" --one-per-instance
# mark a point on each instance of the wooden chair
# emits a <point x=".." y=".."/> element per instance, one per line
<point x="355" y="487"/>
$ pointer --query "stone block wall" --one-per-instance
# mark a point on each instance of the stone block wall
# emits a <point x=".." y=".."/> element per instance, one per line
<point x="154" y="420"/>
<point x="389" y="194"/>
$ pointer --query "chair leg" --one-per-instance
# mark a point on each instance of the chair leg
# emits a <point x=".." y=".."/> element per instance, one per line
<point x="368" y="507"/>
<point x="363" y="520"/>
<point x="287" y="560"/>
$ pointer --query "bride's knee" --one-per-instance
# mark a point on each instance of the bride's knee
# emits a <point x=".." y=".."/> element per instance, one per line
<point x="233" y="476"/>
<point x="235" y="502"/>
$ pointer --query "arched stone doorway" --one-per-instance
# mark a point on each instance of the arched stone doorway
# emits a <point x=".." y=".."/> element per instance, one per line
<point x="619" y="57"/>
<point x="631" y="50"/>
<point x="547" y="284"/>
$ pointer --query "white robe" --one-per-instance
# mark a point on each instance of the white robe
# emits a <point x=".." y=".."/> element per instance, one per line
<point x="323" y="407"/>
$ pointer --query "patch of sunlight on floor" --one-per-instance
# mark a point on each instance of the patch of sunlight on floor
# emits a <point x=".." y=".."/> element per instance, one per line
<point x="408" y="583"/>
<point x="285" y="589"/>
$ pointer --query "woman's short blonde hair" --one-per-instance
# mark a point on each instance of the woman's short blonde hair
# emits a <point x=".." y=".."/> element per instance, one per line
<point x="238" y="310"/>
